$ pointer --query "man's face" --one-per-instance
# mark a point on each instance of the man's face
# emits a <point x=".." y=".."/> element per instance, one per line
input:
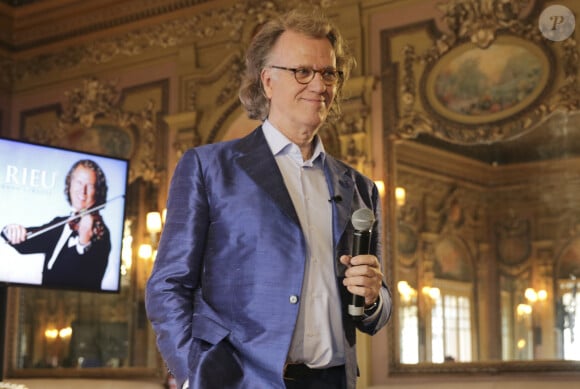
<point x="82" y="188"/>
<point x="298" y="110"/>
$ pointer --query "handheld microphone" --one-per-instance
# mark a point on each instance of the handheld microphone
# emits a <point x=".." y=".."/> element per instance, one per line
<point x="362" y="220"/>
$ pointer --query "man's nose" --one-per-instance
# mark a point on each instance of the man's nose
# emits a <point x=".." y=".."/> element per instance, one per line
<point x="317" y="82"/>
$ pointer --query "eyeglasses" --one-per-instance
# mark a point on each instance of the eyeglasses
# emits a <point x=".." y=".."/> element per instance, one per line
<point x="304" y="75"/>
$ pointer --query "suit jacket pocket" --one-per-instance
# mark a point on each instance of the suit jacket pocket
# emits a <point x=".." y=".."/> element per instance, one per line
<point x="213" y="361"/>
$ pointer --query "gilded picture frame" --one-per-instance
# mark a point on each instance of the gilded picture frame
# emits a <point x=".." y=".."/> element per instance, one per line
<point x="474" y="86"/>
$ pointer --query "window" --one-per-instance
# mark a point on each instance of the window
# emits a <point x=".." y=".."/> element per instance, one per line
<point x="409" y="322"/>
<point x="570" y="319"/>
<point x="451" y="323"/>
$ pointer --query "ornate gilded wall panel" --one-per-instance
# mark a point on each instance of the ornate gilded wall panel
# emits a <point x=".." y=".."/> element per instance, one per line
<point x="99" y="117"/>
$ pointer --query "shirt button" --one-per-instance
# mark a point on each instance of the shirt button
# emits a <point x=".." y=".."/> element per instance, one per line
<point x="293" y="299"/>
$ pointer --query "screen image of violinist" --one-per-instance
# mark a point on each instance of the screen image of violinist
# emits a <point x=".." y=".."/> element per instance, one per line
<point x="75" y="246"/>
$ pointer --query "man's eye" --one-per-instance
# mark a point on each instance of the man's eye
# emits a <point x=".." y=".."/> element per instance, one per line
<point x="303" y="72"/>
<point x="329" y="74"/>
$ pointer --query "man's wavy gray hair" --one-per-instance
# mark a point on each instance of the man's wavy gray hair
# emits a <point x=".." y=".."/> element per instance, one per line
<point x="312" y="23"/>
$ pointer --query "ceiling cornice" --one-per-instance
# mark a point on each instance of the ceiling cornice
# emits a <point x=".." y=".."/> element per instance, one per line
<point x="136" y="28"/>
<point x="44" y="25"/>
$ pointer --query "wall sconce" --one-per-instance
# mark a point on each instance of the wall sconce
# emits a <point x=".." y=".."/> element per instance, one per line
<point x="407" y="293"/>
<point x="53" y="333"/>
<point x="65" y="333"/>
<point x="532" y="296"/>
<point x="380" y="187"/>
<point x="524" y="310"/>
<point x="433" y="293"/>
<point x="154" y="225"/>
<point x="400" y="196"/>
<point x="127" y="249"/>
<point x="145" y="251"/>
<point x="154" y="222"/>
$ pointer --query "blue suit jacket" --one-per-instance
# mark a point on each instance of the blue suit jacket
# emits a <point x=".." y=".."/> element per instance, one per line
<point x="231" y="257"/>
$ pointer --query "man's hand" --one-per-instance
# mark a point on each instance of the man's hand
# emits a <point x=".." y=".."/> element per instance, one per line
<point x="363" y="276"/>
<point x="85" y="229"/>
<point x="14" y="233"/>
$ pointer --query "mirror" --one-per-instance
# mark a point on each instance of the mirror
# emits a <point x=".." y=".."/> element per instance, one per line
<point x="483" y="163"/>
<point x="486" y="260"/>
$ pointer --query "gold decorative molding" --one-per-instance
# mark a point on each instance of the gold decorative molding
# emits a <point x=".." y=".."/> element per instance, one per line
<point x="353" y="127"/>
<point x="93" y="120"/>
<point x="471" y="30"/>
<point x="76" y="18"/>
<point x="164" y="31"/>
<point x="480" y="21"/>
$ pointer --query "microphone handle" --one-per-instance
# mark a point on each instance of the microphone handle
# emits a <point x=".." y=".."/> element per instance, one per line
<point x="361" y="245"/>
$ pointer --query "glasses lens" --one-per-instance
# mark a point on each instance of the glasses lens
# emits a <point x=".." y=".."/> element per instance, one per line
<point x="304" y="75"/>
<point x="329" y="76"/>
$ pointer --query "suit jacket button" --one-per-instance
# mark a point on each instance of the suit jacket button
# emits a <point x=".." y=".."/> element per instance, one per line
<point x="293" y="299"/>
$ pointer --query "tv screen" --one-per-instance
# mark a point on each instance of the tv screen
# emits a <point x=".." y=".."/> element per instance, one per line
<point x="61" y="217"/>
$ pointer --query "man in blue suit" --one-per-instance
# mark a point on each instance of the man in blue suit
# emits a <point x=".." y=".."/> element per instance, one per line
<point x="254" y="274"/>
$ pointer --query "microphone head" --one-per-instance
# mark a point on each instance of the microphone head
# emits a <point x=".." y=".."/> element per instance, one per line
<point x="363" y="219"/>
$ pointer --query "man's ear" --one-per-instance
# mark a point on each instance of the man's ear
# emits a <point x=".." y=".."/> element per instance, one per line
<point x="266" y="77"/>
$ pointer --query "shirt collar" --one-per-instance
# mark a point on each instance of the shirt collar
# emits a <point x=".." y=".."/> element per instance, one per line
<point x="281" y="145"/>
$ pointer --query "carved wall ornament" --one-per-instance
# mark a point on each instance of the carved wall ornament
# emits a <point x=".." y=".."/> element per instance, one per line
<point x="514" y="239"/>
<point x="93" y="120"/>
<point x="407" y="240"/>
<point x="453" y="260"/>
<point x="488" y="77"/>
<point x="95" y="98"/>
<point x="479" y="21"/>
<point x="233" y="20"/>
<point x="352" y="128"/>
<point x="351" y="133"/>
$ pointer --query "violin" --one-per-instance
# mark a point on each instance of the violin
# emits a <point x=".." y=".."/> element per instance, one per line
<point x="98" y="230"/>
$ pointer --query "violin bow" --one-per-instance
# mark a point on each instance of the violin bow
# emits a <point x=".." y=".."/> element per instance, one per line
<point x="80" y="214"/>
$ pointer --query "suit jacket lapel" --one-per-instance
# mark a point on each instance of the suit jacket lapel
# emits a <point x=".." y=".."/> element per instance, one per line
<point x="341" y="184"/>
<point x="256" y="159"/>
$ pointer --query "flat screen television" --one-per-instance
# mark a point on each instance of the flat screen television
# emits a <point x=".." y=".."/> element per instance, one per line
<point x="52" y="200"/>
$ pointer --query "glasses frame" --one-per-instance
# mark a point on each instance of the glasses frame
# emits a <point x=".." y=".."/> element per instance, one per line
<point x="338" y="73"/>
